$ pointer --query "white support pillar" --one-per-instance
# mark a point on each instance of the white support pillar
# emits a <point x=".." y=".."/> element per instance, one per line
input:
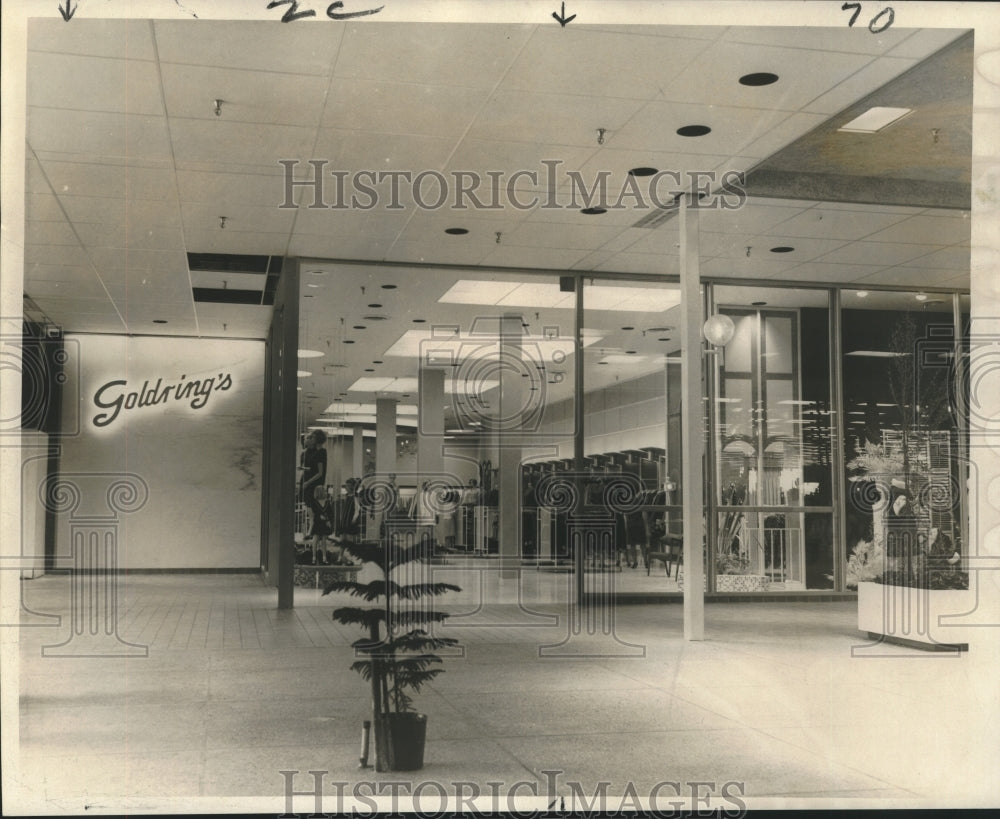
<point x="430" y="435"/>
<point x="693" y="446"/>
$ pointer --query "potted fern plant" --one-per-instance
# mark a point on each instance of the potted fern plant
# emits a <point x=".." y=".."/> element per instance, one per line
<point x="396" y="651"/>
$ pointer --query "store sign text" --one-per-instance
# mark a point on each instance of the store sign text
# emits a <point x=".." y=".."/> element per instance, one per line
<point x="113" y="397"/>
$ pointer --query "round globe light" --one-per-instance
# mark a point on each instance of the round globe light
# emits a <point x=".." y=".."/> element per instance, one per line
<point x="719" y="330"/>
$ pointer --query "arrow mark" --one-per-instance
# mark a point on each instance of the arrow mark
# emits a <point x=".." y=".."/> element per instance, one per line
<point x="560" y="17"/>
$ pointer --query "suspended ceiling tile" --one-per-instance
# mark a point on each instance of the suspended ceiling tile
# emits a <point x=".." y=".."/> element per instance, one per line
<point x="349" y="246"/>
<point x="777" y="136"/>
<point x="654" y="128"/>
<point x="911" y="276"/>
<point x="545" y="258"/>
<point x="676" y="171"/>
<point x="551" y="118"/>
<point x="592" y="261"/>
<point x="219" y="279"/>
<point x="240" y="320"/>
<point x="49" y="254"/>
<point x="857" y="40"/>
<point x="430" y="226"/>
<point x="600" y="64"/>
<point x="754" y="216"/>
<point x="85" y="286"/>
<point x="428" y="252"/>
<point x="79" y="133"/>
<point x="224" y="141"/>
<point x="640" y="263"/>
<point x="402" y="52"/>
<point x="838" y="224"/>
<point x="355" y="151"/>
<point x="206" y="217"/>
<point x="754" y="266"/>
<point x="93" y="84"/>
<point x="213" y="240"/>
<point x="957" y="257"/>
<point x="246" y="96"/>
<point x="926" y="229"/>
<point x="42" y="207"/>
<point x="52" y="233"/>
<point x="101" y="210"/>
<point x="160" y="262"/>
<point x="717" y="81"/>
<point x="872" y="76"/>
<point x="588" y="235"/>
<point x="660" y="241"/>
<point x="37" y="272"/>
<point x="328" y="222"/>
<point x="512" y="157"/>
<point x="629" y="236"/>
<point x="881" y="253"/>
<point x="263" y="188"/>
<point x="120" y="39"/>
<point x="401" y="107"/>
<point x="925" y="41"/>
<point x="256" y="44"/>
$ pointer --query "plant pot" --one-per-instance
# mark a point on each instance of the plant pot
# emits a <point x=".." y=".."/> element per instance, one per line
<point x="399" y="741"/>
<point x="913" y="615"/>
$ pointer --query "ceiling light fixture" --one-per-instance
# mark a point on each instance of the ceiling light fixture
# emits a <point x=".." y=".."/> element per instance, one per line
<point x="862" y="294"/>
<point x="759" y="78"/>
<point x="921" y="297"/>
<point x="310" y="354"/>
<point x="456" y="231"/>
<point x="874" y="120"/>
<point x="388" y="287"/>
<point x="217" y="107"/>
<point x="693" y="130"/>
<point x="782" y="249"/>
<point x="594" y="211"/>
<point x="159" y="321"/>
<point x="643" y="171"/>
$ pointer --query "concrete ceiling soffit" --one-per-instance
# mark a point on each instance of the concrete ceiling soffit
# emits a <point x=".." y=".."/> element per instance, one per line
<point x="922" y="160"/>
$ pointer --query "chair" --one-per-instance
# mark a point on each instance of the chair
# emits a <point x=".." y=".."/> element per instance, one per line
<point x="671" y="551"/>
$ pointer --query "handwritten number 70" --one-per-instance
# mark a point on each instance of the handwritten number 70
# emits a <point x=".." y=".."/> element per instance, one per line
<point x="874" y="21"/>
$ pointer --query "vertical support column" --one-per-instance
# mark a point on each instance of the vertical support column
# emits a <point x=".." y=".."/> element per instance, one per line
<point x="385" y="435"/>
<point x="358" y="453"/>
<point x="578" y="431"/>
<point x="693" y="446"/>
<point x="430" y="434"/>
<point x="286" y="300"/>
<point x="837" y="442"/>
<point x="513" y="393"/>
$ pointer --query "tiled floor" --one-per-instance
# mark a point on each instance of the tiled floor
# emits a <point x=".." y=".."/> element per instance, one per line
<point x="224" y="692"/>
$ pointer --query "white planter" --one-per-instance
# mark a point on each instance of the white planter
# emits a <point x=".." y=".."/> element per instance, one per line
<point x="906" y="613"/>
<point x="734" y="582"/>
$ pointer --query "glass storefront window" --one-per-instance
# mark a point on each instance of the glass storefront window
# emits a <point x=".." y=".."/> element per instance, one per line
<point x="772" y="443"/>
<point x="901" y="426"/>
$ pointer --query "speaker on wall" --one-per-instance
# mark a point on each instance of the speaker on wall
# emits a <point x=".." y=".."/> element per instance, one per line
<point x="43" y="360"/>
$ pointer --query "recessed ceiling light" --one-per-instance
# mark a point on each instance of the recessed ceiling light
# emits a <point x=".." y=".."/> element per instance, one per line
<point x="658" y="329"/>
<point x="303" y="373"/>
<point x="602" y="362"/>
<point x="665" y="338"/>
<point x="348" y="341"/>
<point x="630" y="352"/>
<point x="310" y="354"/>
<point x="757" y="303"/>
<point x="308" y="296"/>
<point x="388" y="287"/>
<point x="376" y="305"/>
<point x="456" y="231"/>
<point x="862" y="294"/>
<point x="318" y="272"/>
<point x="693" y="130"/>
<point x="419" y="321"/>
<point x="921" y="297"/>
<point x="759" y="78"/>
<point x="874" y="120"/>
<point x="159" y="321"/>
<point x="782" y="249"/>
<point x="359" y="327"/>
<point x="642" y="171"/>
<point x="369" y="369"/>
<point x="312" y="285"/>
<point x="628" y="328"/>
<point x="377" y="362"/>
<point x="594" y="211"/>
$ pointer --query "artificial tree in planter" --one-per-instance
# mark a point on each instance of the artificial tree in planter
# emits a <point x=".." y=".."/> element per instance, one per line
<point x="397" y="649"/>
